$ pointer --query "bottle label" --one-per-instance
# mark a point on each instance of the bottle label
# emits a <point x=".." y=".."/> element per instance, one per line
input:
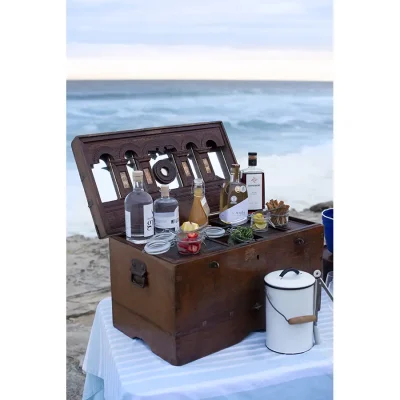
<point x="128" y="229"/>
<point x="254" y="191"/>
<point x="236" y="213"/>
<point x="205" y="206"/>
<point x="148" y="220"/>
<point x="167" y="220"/>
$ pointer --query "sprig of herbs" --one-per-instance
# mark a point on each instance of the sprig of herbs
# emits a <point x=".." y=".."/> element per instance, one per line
<point x="242" y="234"/>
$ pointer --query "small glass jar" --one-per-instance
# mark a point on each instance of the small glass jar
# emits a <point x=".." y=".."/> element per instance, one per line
<point x="189" y="243"/>
<point x="259" y="220"/>
<point x="279" y="217"/>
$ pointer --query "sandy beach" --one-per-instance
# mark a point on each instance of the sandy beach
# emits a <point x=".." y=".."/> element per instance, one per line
<point x="88" y="282"/>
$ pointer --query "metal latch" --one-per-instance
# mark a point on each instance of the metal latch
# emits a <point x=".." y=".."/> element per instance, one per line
<point x="138" y="273"/>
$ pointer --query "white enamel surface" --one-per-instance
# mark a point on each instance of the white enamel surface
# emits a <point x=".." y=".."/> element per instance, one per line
<point x="280" y="336"/>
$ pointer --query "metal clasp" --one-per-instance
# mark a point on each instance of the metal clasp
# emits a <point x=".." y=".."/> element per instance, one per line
<point x="138" y="273"/>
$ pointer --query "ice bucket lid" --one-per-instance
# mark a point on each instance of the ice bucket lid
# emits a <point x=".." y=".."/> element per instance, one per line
<point x="289" y="279"/>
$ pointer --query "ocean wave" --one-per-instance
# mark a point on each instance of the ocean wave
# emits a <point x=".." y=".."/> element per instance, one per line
<point x="135" y="95"/>
<point x="265" y="125"/>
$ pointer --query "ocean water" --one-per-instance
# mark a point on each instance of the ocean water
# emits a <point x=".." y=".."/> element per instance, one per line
<point x="289" y="124"/>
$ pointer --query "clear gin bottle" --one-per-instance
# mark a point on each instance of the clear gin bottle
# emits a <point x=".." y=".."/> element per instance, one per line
<point x="166" y="212"/>
<point x="139" y="218"/>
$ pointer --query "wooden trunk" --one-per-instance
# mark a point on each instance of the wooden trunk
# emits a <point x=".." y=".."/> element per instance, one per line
<point x="186" y="307"/>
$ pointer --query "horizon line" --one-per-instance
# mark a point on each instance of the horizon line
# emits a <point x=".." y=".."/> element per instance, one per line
<point x="198" y="79"/>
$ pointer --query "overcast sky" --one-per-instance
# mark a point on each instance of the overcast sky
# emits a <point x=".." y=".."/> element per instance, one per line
<point x="203" y="39"/>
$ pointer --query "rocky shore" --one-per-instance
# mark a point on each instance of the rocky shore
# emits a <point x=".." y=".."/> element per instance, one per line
<point x="88" y="282"/>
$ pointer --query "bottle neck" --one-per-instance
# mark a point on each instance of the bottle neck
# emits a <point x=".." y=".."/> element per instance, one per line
<point x="138" y="185"/>
<point x="198" y="188"/>
<point x="198" y="192"/>
<point x="252" y="163"/>
<point x="164" y="193"/>
<point x="235" y="176"/>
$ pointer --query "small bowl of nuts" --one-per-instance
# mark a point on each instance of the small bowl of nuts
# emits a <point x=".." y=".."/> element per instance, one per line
<point x="279" y="213"/>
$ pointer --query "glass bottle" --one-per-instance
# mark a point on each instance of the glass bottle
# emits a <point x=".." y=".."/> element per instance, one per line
<point x="234" y="202"/>
<point x="166" y="212"/>
<point x="200" y="210"/>
<point x="139" y="219"/>
<point x="223" y="197"/>
<point x="254" y="179"/>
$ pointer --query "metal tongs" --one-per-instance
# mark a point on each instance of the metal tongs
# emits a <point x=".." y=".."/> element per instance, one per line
<point x="319" y="284"/>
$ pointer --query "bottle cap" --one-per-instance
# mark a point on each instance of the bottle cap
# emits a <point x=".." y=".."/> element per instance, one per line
<point x="137" y="176"/>
<point x="164" y="189"/>
<point x="235" y="168"/>
<point x="252" y="159"/>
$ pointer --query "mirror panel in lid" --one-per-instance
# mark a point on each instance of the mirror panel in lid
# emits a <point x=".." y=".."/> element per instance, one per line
<point x="173" y="155"/>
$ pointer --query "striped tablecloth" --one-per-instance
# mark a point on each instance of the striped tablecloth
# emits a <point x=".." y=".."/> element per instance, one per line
<point x="118" y="367"/>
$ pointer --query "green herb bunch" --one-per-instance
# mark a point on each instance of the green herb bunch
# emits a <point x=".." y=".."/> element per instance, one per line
<point x="241" y="234"/>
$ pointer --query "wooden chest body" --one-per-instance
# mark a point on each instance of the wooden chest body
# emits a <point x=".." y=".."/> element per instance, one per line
<point x="186" y="307"/>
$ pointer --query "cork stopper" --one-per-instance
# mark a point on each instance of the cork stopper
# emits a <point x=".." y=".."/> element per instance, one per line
<point x="137" y="176"/>
<point x="164" y="190"/>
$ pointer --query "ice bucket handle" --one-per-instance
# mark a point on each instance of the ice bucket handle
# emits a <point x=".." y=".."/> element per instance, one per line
<point x="301" y="320"/>
<point x="285" y="271"/>
<point x="295" y="320"/>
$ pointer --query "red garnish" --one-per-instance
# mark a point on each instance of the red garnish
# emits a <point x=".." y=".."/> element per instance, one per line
<point x="193" y="235"/>
<point x="194" y="248"/>
<point x="183" y="245"/>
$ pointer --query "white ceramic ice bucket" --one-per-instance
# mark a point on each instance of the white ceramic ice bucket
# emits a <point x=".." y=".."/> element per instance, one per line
<point x="289" y="311"/>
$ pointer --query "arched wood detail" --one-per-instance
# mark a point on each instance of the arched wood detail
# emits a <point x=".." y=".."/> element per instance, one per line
<point x="190" y="139"/>
<point x="217" y="139"/>
<point x="128" y="147"/>
<point x="113" y="153"/>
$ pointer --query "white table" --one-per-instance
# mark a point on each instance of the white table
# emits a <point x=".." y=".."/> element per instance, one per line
<point x="120" y="368"/>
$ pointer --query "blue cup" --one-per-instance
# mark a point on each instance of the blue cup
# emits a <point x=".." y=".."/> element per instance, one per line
<point x="327" y="220"/>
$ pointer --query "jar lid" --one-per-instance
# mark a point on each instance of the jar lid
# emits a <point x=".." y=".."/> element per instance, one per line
<point x="165" y="236"/>
<point x="214" y="232"/>
<point x="155" y="247"/>
<point x="290" y="279"/>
